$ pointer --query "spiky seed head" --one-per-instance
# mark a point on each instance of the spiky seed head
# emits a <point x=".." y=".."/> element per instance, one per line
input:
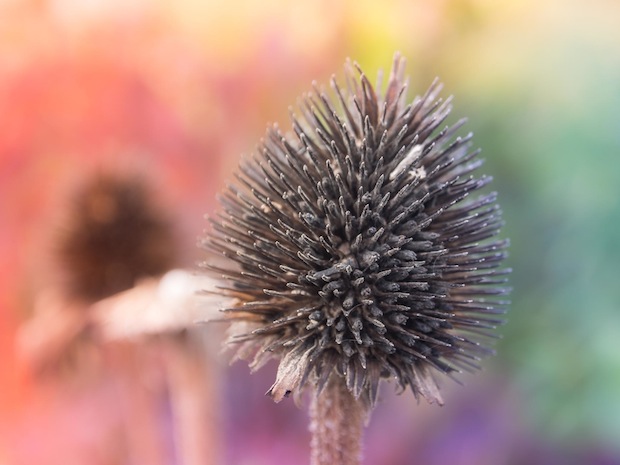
<point x="359" y="246"/>
<point x="114" y="235"/>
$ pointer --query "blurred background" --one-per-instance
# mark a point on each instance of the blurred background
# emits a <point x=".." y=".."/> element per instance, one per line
<point x="178" y="91"/>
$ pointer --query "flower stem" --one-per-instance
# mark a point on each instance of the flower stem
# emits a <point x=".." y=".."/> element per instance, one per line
<point x="337" y="423"/>
<point x="191" y="377"/>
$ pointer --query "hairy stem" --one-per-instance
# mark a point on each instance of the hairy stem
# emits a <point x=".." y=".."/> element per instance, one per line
<point x="337" y="423"/>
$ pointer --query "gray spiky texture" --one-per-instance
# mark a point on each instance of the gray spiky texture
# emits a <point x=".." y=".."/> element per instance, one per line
<point x="356" y="247"/>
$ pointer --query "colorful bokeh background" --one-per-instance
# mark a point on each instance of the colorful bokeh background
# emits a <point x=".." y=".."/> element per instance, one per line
<point x="179" y="90"/>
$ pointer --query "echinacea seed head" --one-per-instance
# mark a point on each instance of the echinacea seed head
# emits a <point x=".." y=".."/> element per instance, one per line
<point x="113" y="236"/>
<point x="359" y="246"/>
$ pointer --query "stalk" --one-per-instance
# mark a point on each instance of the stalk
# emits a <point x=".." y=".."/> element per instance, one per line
<point x="337" y="424"/>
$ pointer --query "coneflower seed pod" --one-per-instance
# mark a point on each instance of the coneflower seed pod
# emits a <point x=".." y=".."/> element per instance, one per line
<point x="113" y="236"/>
<point x="356" y="248"/>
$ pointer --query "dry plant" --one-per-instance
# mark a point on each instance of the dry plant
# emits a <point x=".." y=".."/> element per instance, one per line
<point x="116" y="305"/>
<point x="356" y="250"/>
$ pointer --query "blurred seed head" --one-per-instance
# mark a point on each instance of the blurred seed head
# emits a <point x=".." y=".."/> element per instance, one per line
<point x="114" y="235"/>
<point x="360" y="246"/>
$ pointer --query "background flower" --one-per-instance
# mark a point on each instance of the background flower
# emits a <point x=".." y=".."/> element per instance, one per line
<point x="178" y="90"/>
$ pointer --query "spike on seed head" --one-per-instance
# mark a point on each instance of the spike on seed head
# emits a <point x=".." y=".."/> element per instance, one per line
<point x="357" y="248"/>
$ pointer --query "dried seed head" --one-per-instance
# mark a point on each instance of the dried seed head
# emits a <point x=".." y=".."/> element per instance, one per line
<point x="113" y="236"/>
<point x="356" y="248"/>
